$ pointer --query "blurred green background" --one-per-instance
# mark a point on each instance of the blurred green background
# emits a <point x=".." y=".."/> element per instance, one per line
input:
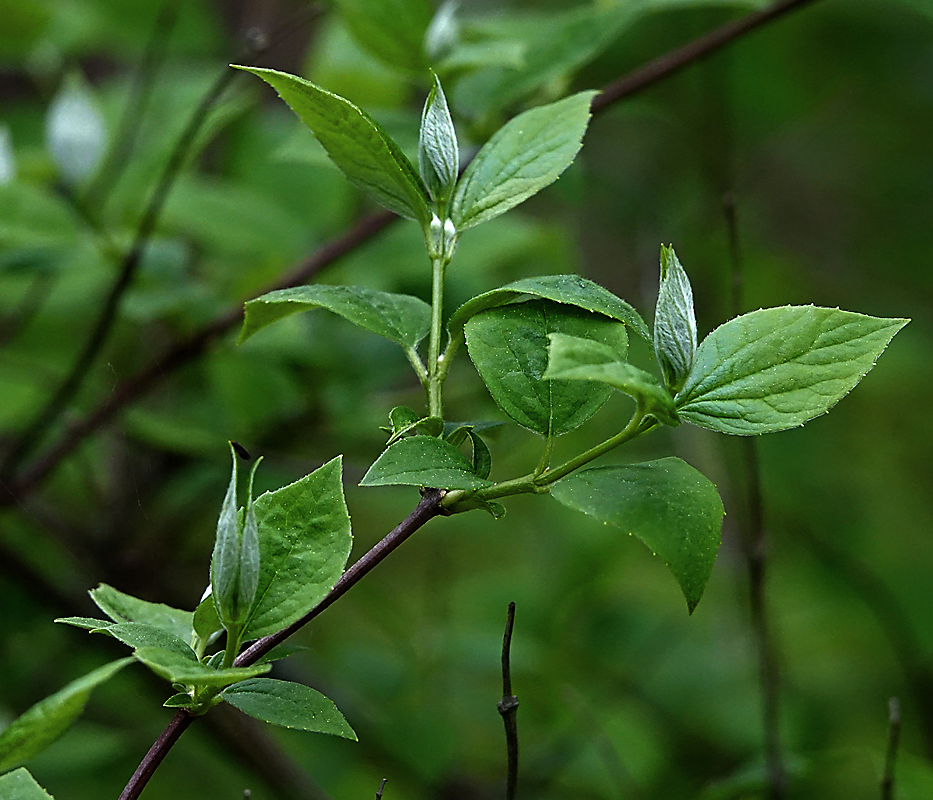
<point x="819" y="125"/>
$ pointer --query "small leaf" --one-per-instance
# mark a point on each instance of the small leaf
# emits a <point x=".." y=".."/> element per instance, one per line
<point x="249" y="549"/>
<point x="423" y="461"/>
<point x="443" y="32"/>
<point x="74" y="131"/>
<point x="20" y="785"/>
<point x="438" y="154"/>
<point x="206" y="622"/>
<point x="29" y="734"/>
<point x="675" y="325"/>
<point x="397" y="317"/>
<point x="528" y="153"/>
<point x="304" y="542"/>
<point x="777" y="368"/>
<point x="225" y="559"/>
<point x="86" y="623"/>
<point x="569" y="290"/>
<point x="571" y="358"/>
<point x="122" y="607"/>
<point x="137" y="634"/>
<point x="406" y="422"/>
<point x="355" y="142"/>
<point x="289" y="705"/>
<point x="672" y="508"/>
<point x="509" y="347"/>
<point x="180" y="700"/>
<point x="176" y="668"/>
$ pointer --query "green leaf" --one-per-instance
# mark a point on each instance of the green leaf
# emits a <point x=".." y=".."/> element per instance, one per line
<point x="20" y="785"/>
<point x="137" y="634"/>
<point x="231" y="606"/>
<point x="392" y="30"/>
<point x="304" y="542"/>
<point x="573" y="359"/>
<point x="675" y="325"/>
<point x="423" y="461"/>
<point x="180" y="700"/>
<point x="569" y="290"/>
<point x="397" y="317"/>
<point x="406" y="422"/>
<point x="176" y="668"/>
<point x="85" y="623"/>
<point x="122" y="607"/>
<point x="356" y="144"/>
<point x="528" y="153"/>
<point x="777" y="368"/>
<point x="438" y="154"/>
<point x="509" y="347"/>
<point x="289" y="705"/>
<point x="29" y="734"/>
<point x="206" y="622"/>
<point x="671" y="507"/>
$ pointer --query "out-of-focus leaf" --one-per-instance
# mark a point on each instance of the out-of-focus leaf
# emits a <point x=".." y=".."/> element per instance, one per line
<point x="75" y="132"/>
<point x="392" y="30"/>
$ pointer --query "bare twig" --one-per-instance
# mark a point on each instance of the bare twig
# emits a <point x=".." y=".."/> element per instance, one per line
<point x="381" y="787"/>
<point x="894" y="736"/>
<point x="427" y="509"/>
<point x="183" y="352"/>
<point x="754" y="545"/>
<point x="508" y="708"/>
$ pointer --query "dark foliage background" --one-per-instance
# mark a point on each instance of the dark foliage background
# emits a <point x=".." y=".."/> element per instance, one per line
<point x="818" y="125"/>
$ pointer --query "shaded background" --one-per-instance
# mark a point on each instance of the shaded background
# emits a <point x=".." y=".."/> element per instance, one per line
<point x="817" y="127"/>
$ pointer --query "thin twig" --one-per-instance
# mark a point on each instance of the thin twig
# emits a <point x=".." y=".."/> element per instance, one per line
<point x="894" y="737"/>
<point x="133" y="388"/>
<point x="754" y="545"/>
<point x="508" y="708"/>
<point x="381" y="787"/>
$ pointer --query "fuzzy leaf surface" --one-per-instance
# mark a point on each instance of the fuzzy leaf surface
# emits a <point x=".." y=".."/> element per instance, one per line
<point x="438" y="153"/>
<point x="526" y="154"/>
<point x="33" y="731"/>
<point x="20" y="785"/>
<point x="509" y="347"/>
<point x="423" y="461"/>
<point x="777" y="368"/>
<point x="569" y="290"/>
<point x="304" y="542"/>
<point x="667" y="504"/>
<point x="397" y="317"/>
<point x="122" y="607"/>
<point x="288" y="705"/>
<point x="355" y="142"/>
<point x="573" y="359"/>
<point x="675" y="325"/>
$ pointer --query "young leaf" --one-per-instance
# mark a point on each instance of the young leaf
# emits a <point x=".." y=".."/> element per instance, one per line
<point x="75" y="132"/>
<point x="438" y="153"/>
<point x="122" y="607"/>
<point x="176" y="668"/>
<point x="777" y="368"/>
<point x="397" y="317"/>
<point x="406" y="422"/>
<point x="675" y="325"/>
<point x="509" y="347"/>
<point x="289" y="705"/>
<point x="180" y="700"/>
<point x="304" y="542"/>
<point x="569" y="290"/>
<point x="671" y="507"/>
<point x="20" y="785"/>
<point x="206" y="622"/>
<point x="356" y="143"/>
<point x="225" y="559"/>
<point x="573" y="359"/>
<point x="249" y="549"/>
<point x="423" y="461"/>
<point x="29" y="734"/>
<point x="528" y="153"/>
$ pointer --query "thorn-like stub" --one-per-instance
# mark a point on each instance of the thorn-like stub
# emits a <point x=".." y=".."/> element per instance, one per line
<point x="507" y="704"/>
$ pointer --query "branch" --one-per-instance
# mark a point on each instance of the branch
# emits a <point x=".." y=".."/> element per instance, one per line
<point x="894" y="736"/>
<point x="427" y="509"/>
<point x="508" y="708"/>
<point x="132" y="389"/>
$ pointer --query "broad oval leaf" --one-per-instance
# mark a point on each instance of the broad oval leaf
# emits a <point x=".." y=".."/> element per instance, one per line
<point x="569" y="290"/>
<point x="122" y="607"/>
<point x="526" y="154"/>
<point x="304" y="542"/>
<point x="289" y="705"/>
<point x="176" y="668"/>
<point x="423" y="461"/>
<point x="355" y="142"/>
<point x="670" y="506"/>
<point x="777" y="368"/>
<point x="33" y="731"/>
<point x="20" y="785"/>
<point x="509" y="347"/>
<point x="400" y="318"/>
<point x="573" y="359"/>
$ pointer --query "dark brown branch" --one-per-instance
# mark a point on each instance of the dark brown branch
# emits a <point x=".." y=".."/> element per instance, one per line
<point x="156" y="754"/>
<point x="382" y="786"/>
<point x="894" y="737"/>
<point x="183" y="352"/>
<point x="674" y="61"/>
<point x="508" y="708"/>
